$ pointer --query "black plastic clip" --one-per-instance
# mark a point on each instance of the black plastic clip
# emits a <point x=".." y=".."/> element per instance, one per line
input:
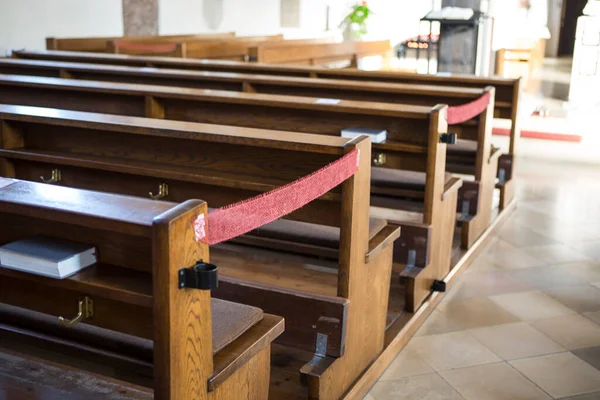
<point x="438" y="286"/>
<point x="448" y="138"/>
<point x="201" y="276"/>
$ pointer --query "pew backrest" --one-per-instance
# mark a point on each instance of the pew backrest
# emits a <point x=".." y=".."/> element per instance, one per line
<point x="319" y="53"/>
<point x="507" y="90"/>
<point x="99" y="44"/>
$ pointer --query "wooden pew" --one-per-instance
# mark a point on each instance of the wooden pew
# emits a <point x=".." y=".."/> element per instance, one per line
<point x="209" y="356"/>
<point x="506" y="104"/>
<point x="483" y="164"/>
<point x="319" y="53"/>
<point x="235" y="49"/>
<point x="414" y="143"/>
<point x="134" y="155"/>
<point x="99" y="44"/>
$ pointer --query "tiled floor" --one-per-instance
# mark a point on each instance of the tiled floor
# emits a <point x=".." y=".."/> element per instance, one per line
<point x="524" y="320"/>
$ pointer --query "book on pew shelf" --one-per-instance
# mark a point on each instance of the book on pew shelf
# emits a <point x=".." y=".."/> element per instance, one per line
<point x="376" y="135"/>
<point x="49" y="257"/>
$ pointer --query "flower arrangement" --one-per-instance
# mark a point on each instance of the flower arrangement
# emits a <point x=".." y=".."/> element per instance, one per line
<point x="354" y="25"/>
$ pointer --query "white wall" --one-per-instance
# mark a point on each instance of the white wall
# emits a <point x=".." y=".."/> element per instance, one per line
<point x="26" y="23"/>
<point x="393" y="19"/>
<point x="256" y="17"/>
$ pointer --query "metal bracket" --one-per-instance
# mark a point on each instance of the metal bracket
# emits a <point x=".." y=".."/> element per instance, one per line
<point x="321" y="349"/>
<point x="163" y="191"/>
<point x="464" y="215"/>
<point x="201" y="276"/>
<point x="448" y="138"/>
<point x="85" y="311"/>
<point x="379" y="159"/>
<point x="411" y="258"/>
<point x="55" y="177"/>
<point x="501" y="175"/>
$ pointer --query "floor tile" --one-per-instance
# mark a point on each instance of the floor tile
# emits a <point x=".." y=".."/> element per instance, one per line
<point x="369" y="397"/>
<point x="548" y="276"/>
<point x="585" y="298"/>
<point x="513" y="341"/>
<point x="430" y="387"/>
<point x="590" y="355"/>
<point x="475" y="313"/>
<point x="568" y="235"/>
<point x="570" y="331"/>
<point x="493" y="382"/>
<point x="560" y="375"/>
<point x="481" y="264"/>
<point x="511" y="259"/>
<point x="488" y="283"/>
<point x="589" y="396"/>
<point x="597" y="284"/>
<point x="595" y="316"/>
<point x="587" y="271"/>
<point x="531" y="305"/>
<point x="452" y="350"/>
<point x="522" y="236"/>
<point x="590" y="249"/>
<point x="438" y="322"/>
<point x="407" y="363"/>
<point x="556" y="254"/>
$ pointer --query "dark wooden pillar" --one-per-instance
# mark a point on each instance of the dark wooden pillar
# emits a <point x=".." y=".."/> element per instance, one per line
<point x="140" y="17"/>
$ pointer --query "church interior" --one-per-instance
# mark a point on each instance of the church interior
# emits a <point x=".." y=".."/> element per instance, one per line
<point x="300" y="199"/>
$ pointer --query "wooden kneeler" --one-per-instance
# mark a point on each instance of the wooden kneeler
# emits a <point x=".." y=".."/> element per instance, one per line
<point x="151" y="305"/>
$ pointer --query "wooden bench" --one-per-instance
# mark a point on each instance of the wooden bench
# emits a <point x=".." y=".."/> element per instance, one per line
<point x="318" y="53"/>
<point x="414" y="144"/>
<point x="506" y="105"/>
<point x="136" y="155"/>
<point x="134" y="289"/>
<point x="481" y="163"/>
<point x="99" y="44"/>
<point x="235" y="49"/>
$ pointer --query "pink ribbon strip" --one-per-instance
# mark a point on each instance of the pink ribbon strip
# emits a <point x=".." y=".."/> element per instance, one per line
<point x="237" y="219"/>
<point x="465" y="112"/>
<point x="157" y="48"/>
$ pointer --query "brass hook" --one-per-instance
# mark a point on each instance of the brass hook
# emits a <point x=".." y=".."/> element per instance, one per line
<point x="379" y="159"/>
<point x="55" y="176"/>
<point x="163" y="191"/>
<point x="86" y="311"/>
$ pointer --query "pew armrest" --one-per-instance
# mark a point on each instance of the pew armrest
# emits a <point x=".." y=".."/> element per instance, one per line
<point x="451" y="186"/>
<point x="236" y="354"/>
<point x="384" y="238"/>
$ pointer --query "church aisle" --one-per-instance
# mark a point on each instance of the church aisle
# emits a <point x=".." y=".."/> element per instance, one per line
<point x="524" y="321"/>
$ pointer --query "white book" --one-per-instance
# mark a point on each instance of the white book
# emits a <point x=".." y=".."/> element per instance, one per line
<point x="47" y="256"/>
<point x="452" y="13"/>
<point x="376" y="135"/>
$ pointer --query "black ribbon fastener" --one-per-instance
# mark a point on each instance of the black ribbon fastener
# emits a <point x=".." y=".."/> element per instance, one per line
<point x="202" y="276"/>
<point x="448" y="138"/>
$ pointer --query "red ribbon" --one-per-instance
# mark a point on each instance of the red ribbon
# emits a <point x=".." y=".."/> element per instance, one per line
<point x="237" y="219"/>
<point x="465" y="112"/>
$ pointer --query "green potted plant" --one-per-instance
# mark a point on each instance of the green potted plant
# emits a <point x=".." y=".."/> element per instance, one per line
<point x="354" y="25"/>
